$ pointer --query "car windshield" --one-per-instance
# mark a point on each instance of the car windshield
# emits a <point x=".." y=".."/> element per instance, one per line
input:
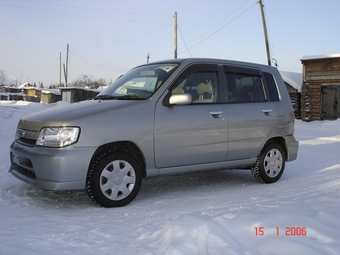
<point x="139" y="83"/>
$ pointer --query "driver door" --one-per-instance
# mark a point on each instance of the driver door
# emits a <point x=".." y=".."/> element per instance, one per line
<point x="196" y="133"/>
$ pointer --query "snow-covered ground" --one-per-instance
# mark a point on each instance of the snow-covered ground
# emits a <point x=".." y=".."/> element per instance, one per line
<point x="216" y="212"/>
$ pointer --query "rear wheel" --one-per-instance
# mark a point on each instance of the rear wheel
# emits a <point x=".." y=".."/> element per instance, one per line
<point x="270" y="164"/>
<point x="114" y="178"/>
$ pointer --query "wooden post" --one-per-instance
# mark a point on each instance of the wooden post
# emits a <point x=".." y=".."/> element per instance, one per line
<point x="265" y="32"/>
<point x="60" y="69"/>
<point x="175" y="35"/>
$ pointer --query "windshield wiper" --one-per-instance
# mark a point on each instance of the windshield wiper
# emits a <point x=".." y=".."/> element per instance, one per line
<point x="104" y="97"/>
<point x="129" y="97"/>
<point x="108" y="97"/>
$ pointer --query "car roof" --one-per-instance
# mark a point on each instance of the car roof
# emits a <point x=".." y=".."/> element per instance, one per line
<point x="212" y="60"/>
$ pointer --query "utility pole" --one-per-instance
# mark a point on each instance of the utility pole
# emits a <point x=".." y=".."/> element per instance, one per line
<point x="60" y="69"/>
<point x="66" y="69"/>
<point x="147" y="58"/>
<point x="175" y="36"/>
<point x="265" y="32"/>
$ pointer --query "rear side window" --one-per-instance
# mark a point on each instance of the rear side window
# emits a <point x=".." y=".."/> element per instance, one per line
<point x="245" y="88"/>
<point x="272" y="87"/>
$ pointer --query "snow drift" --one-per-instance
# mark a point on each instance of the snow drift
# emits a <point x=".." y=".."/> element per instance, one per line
<point x="214" y="212"/>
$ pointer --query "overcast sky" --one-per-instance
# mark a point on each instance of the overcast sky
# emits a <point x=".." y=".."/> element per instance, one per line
<point x="108" y="37"/>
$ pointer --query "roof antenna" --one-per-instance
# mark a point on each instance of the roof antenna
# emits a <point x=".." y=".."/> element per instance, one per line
<point x="275" y="62"/>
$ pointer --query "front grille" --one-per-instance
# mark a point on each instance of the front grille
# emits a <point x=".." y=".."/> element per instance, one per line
<point x="26" y="141"/>
<point x="22" y="165"/>
<point x="24" y="171"/>
<point x="26" y="136"/>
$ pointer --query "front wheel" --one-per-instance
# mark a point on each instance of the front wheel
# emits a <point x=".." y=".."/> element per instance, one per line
<point x="270" y="164"/>
<point x="114" y="178"/>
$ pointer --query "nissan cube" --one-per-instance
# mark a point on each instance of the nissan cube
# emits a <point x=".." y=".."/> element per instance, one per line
<point x="168" y="117"/>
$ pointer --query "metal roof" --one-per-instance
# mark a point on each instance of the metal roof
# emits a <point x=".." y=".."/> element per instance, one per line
<point x="320" y="57"/>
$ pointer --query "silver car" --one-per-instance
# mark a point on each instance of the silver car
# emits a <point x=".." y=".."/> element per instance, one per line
<point x="174" y="116"/>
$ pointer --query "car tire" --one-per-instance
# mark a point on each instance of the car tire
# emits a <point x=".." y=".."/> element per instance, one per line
<point x="270" y="164"/>
<point x="114" y="178"/>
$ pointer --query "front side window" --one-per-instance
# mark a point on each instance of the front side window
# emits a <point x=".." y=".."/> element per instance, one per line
<point x="200" y="82"/>
<point x="244" y="88"/>
<point x="139" y="83"/>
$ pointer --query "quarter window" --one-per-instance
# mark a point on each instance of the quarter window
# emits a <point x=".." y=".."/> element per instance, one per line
<point x="272" y="88"/>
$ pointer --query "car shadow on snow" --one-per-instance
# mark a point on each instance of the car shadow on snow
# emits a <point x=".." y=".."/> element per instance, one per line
<point x="153" y="188"/>
<point x="24" y="195"/>
<point x="163" y="187"/>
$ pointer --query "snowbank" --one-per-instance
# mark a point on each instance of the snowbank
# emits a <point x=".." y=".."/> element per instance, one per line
<point x="217" y="212"/>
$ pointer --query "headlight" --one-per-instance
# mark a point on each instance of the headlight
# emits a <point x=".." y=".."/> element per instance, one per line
<point x="57" y="137"/>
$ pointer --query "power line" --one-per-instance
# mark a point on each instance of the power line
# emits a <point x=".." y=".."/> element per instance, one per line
<point x="215" y="32"/>
<point x="184" y="41"/>
<point x="95" y="9"/>
<point x="84" y="15"/>
<point x="133" y="58"/>
<point x="210" y="35"/>
<point x="220" y="22"/>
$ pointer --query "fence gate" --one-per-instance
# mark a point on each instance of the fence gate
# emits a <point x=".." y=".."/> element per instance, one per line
<point x="330" y="102"/>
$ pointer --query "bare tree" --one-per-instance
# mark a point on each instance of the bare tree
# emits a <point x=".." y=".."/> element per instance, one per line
<point x="88" y="82"/>
<point x="2" y="77"/>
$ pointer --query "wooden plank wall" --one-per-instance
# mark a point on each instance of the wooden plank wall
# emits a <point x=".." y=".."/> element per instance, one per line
<point x="322" y="69"/>
<point x="317" y="72"/>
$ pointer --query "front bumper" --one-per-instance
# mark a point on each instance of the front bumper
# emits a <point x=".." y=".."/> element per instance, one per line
<point x="51" y="168"/>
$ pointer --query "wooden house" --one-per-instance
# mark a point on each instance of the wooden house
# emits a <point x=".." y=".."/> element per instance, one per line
<point x="320" y="91"/>
<point x="32" y="94"/>
<point x="293" y="82"/>
<point x="77" y="94"/>
<point x="50" y="96"/>
<point x="11" y="93"/>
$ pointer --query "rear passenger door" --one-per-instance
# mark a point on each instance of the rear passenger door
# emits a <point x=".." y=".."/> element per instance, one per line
<point x="250" y="113"/>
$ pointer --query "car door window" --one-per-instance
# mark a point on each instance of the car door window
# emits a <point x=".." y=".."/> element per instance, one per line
<point x="201" y="83"/>
<point x="244" y="85"/>
<point x="245" y="88"/>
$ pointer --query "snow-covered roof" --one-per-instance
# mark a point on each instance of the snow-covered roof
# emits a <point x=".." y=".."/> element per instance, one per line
<point x="320" y="57"/>
<point x="293" y="79"/>
<point x="24" y="85"/>
<point x="51" y="91"/>
<point x="80" y="88"/>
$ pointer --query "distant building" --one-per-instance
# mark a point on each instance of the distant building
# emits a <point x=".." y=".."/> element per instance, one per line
<point x="50" y="96"/>
<point x="32" y="94"/>
<point x="320" y="91"/>
<point x="24" y="85"/>
<point x="77" y="94"/>
<point x="293" y="83"/>
<point x="11" y="93"/>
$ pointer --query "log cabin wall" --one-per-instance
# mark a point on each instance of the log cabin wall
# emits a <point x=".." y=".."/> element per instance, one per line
<point x="321" y="88"/>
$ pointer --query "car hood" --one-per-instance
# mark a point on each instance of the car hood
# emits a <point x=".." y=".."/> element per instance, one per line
<point x="64" y="115"/>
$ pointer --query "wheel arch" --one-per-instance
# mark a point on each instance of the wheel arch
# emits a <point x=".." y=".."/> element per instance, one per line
<point x="282" y="142"/>
<point x="128" y="146"/>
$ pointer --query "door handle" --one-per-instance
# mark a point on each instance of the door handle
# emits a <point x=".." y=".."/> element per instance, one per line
<point x="267" y="111"/>
<point x="216" y="114"/>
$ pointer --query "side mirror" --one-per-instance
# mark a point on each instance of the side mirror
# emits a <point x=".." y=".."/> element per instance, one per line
<point x="180" y="99"/>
